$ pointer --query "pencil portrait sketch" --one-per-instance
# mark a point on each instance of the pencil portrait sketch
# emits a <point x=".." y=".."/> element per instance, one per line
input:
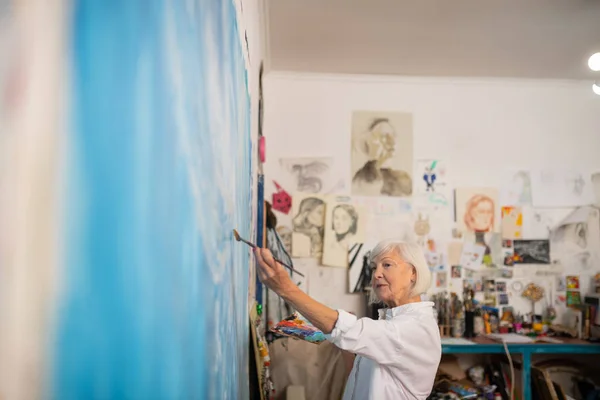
<point x="344" y="226"/>
<point x="308" y="224"/>
<point x="382" y="154"/>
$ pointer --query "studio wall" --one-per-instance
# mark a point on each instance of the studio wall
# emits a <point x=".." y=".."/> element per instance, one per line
<point x="480" y="128"/>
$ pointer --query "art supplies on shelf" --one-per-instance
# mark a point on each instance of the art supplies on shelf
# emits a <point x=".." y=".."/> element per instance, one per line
<point x="299" y="328"/>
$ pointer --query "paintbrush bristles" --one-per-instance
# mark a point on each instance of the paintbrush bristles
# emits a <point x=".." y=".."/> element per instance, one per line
<point x="236" y="235"/>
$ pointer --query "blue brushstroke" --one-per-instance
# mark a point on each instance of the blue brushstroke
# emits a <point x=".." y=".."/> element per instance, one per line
<point x="142" y="313"/>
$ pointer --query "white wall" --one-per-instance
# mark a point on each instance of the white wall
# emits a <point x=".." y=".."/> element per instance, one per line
<point x="479" y="127"/>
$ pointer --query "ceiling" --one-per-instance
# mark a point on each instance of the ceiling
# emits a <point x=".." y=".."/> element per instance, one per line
<point x="549" y="39"/>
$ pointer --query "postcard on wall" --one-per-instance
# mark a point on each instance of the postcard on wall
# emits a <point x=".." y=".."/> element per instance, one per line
<point x="345" y="224"/>
<point x="472" y="256"/>
<point x="516" y="188"/>
<point x="310" y="174"/>
<point x="382" y="154"/>
<point x="531" y="252"/>
<point x="555" y="188"/>
<point x="430" y="185"/>
<point x="308" y="220"/>
<point x="512" y="222"/>
<point x="477" y="209"/>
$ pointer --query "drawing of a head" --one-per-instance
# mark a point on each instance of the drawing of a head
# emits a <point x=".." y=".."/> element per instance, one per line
<point x="380" y="140"/>
<point x="314" y="210"/>
<point x="344" y="221"/>
<point x="479" y="214"/>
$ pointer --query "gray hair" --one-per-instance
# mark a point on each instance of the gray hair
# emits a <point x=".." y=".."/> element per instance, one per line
<point x="412" y="254"/>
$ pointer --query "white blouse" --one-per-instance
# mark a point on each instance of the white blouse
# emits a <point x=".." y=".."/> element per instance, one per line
<point x="397" y="355"/>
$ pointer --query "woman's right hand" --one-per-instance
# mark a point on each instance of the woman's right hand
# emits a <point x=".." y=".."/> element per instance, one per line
<point x="271" y="273"/>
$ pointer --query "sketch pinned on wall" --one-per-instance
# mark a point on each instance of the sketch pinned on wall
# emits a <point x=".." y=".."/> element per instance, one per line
<point x="431" y="186"/>
<point x="389" y="217"/>
<point x="516" y="188"/>
<point x="382" y="154"/>
<point x="572" y="240"/>
<point x="311" y="174"/>
<point x="308" y="225"/>
<point x="531" y="252"/>
<point x="477" y="209"/>
<point x="359" y="271"/>
<point x="596" y="187"/>
<point x="538" y="222"/>
<point x="345" y="225"/>
<point x="512" y="222"/>
<point x="554" y="188"/>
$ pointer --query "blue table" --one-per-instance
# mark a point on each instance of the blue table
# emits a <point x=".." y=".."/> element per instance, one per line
<point x="488" y="346"/>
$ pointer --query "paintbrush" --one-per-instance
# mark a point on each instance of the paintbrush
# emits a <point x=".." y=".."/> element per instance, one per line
<point x="241" y="239"/>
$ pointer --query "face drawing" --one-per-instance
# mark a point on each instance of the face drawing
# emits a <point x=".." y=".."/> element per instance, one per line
<point x="315" y="217"/>
<point x="310" y="213"/>
<point x="479" y="215"/>
<point x="381" y="141"/>
<point x="344" y="221"/>
<point x="341" y="221"/>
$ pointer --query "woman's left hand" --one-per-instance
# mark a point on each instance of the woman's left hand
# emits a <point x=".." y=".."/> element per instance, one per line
<point x="271" y="273"/>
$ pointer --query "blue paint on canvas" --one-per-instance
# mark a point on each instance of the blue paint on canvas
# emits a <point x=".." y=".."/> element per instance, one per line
<point x="154" y="301"/>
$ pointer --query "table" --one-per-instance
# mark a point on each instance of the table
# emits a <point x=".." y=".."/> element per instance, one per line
<point x="488" y="346"/>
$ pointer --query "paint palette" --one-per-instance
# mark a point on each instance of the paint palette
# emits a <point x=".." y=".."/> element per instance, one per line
<point x="297" y="327"/>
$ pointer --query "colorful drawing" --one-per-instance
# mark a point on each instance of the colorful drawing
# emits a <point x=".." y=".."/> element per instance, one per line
<point x="431" y="186"/>
<point x="572" y="282"/>
<point x="573" y="297"/>
<point x="297" y="327"/>
<point x="512" y="223"/>
<point x="476" y="209"/>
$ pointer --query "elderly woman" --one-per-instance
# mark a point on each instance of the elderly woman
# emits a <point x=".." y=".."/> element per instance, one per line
<point x="397" y="355"/>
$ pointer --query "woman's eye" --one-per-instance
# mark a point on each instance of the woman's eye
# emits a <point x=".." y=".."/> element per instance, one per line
<point x="387" y="265"/>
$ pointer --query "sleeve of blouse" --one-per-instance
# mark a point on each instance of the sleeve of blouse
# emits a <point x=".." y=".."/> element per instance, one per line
<point x="377" y="340"/>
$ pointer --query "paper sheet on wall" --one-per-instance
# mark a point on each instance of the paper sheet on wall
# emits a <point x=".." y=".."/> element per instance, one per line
<point x="431" y="184"/>
<point x="575" y="241"/>
<point x="345" y="224"/>
<point x="472" y="256"/>
<point x="516" y="188"/>
<point x="554" y="188"/>
<point x="537" y="222"/>
<point x="596" y="187"/>
<point x="310" y="175"/>
<point x="389" y="218"/>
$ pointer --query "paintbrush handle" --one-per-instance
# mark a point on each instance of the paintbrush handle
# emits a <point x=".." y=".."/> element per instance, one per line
<point x="279" y="261"/>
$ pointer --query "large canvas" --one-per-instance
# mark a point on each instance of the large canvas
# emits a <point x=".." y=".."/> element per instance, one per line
<point x="382" y="154"/>
<point x="159" y="173"/>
